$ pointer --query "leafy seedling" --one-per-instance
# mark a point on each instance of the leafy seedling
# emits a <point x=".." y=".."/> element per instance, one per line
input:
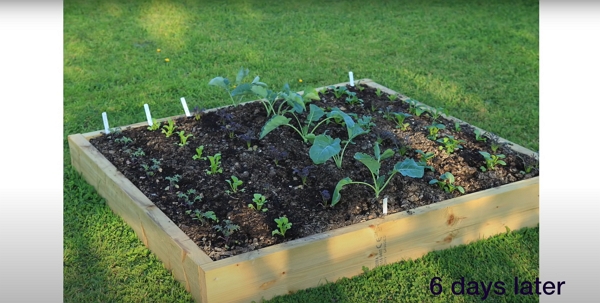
<point x="303" y="173"/>
<point x="434" y="129"/>
<point x="450" y="144"/>
<point x="199" y="151"/>
<point x="457" y="127"/>
<point x="173" y="182"/>
<point x="304" y="130"/>
<point x="283" y="225"/>
<point x="378" y="92"/>
<point x="491" y="161"/>
<point x="187" y="197"/>
<point x="446" y="182"/>
<point x="203" y="217"/>
<point x="239" y="90"/>
<point x="234" y="183"/>
<point x="414" y="107"/>
<point x="259" y="200"/>
<point x="123" y="140"/>
<point x="183" y="138"/>
<point x="215" y="164"/>
<point x="479" y="135"/>
<point x="392" y="97"/>
<point x="155" y="125"/>
<point x="169" y="128"/>
<point x="227" y="229"/>
<point x="436" y="113"/>
<point x="400" y="117"/>
<point x="408" y="168"/>
<point x="425" y="158"/>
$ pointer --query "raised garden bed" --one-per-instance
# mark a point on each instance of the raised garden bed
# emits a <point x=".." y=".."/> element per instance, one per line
<point x="160" y="190"/>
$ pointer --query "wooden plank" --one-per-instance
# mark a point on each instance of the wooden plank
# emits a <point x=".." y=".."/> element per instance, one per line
<point x="299" y="264"/>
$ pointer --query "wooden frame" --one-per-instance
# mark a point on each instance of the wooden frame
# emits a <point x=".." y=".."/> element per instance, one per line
<point x="307" y="262"/>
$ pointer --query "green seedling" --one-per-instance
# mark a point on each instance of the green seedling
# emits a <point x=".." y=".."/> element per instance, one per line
<point x="169" y="128"/>
<point x="136" y="154"/>
<point x="446" y="182"/>
<point x="400" y="117"/>
<point x="123" y="140"/>
<point x="479" y="135"/>
<point x="173" y="182"/>
<point x="436" y="113"/>
<point x="353" y="99"/>
<point x="203" y="217"/>
<point x="408" y="168"/>
<point x="155" y="125"/>
<point x="450" y="144"/>
<point x="151" y="170"/>
<point x="325" y="147"/>
<point x="234" y="183"/>
<point x="259" y="200"/>
<point x="457" y="127"/>
<point x="378" y="92"/>
<point x="491" y="161"/>
<point x="414" y="107"/>
<point x="183" y="138"/>
<point x="239" y="90"/>
<point x="366" y="123"/>
<point x="186" y="197"/>
<point x="215" y="164"/>
<point x="425" y="158"/>
<point x="303" y="130"/>
<point x="199" y="151"/>
<point x="392" y="97"/>
<point x="434" y="130"/>
<point x="338" y="91"/>
<point x="227" y="229"/>
<point x="283" y="225"/>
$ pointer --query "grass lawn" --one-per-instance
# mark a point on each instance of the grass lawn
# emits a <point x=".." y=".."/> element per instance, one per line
<point x="477" y="59"/>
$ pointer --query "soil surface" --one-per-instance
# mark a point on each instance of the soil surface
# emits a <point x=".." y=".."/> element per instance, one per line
<point x="168" y="175"/>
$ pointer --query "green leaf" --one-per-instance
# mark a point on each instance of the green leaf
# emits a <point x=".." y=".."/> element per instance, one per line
<point x="336" y="112"/>
<point x="315" y="113"/>
<point x="241" y="75"/>
<point x="241" y="89"/>
<point x="380" y="181"/>
<point x="387" y="154"/>
<point x="460" y="189"/>
<point x="257" y="82"/>
<point x="220" y="81"/>
<point x="410" y="168"/>
<point x="311" y="94"/>
<point x="273" y="123"/>
<point x="434" y="181"/>
<point x="296" y="102"/>
<point x="372" y="164"/>
<point x="260" y="91"/>
<point x="324" y="147"/>
<point x="448" y="176"/>
<point x="335" y="198"/>
<point x="355" y="131"/>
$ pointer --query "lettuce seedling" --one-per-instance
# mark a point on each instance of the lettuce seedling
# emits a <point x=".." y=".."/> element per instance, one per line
<point x="215" y="164"/>
<point x="325" y="147"/>
<point x="378" y="92"/>
<point x="446" y="182"/>
<point x="234" y="183"/>
<point x="479" y="135"/>
<point x="414" y="107"/>
<point x="198" y="113"/>
<point x="155" y="125"/>
<point x="169" y="129"/>
<point x="199" y="151"/>
<point x="437" y="112"/>
<point x="450" y="144"/>
<point x="259" y="200"/>
<point x="392" y="97"/>
<point x="408" y="168"/>
<point x="492" y="161"/>
<point x="183" y="138"/>
<point x="283" y="225"/>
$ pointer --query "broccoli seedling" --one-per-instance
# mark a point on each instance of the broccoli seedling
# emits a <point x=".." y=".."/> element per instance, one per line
<point x="408" y="168"/>
<point x="203" y="217"/>
<point x="227" y="229"/>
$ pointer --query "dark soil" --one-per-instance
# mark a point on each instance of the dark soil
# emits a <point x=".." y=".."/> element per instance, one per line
<point x="286" y="195"/>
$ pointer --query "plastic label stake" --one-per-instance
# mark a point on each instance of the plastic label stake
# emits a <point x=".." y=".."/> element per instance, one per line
<point x="148" y="116"/>
<point x="351" y="75"/>
<point x="385" y="206"/>
<point x="185" y="108"/>
<point x="105" y="119"/>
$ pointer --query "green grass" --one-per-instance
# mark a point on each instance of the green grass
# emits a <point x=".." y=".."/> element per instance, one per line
<point x="477" y="59"/>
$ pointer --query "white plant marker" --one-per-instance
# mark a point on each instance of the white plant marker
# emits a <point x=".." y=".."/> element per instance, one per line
<point x="185" y="108"/>
<point x="148" y="116"/>
<point x="351" y="75"/>
<point x="385" y="206"/>
<point x="105" y="119"/>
